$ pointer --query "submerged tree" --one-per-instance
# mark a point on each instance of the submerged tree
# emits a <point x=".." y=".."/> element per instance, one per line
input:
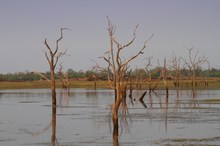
<point x="193" y="63"/>
<point x="63" y="76"/>
<point x="152" y="83"/>
<point x="176" y="67"/>
<point x="53" y="58"/>
<point x="164" y="75"/>
<point x="118" y="69"/>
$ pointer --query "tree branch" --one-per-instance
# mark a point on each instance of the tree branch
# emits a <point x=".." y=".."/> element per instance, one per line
<point x="47" y="57"/>
<point x="59" y="39"/>
<point x="48" y="47"/>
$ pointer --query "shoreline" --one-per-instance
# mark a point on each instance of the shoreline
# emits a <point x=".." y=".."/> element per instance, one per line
<point x="214" y="84"/>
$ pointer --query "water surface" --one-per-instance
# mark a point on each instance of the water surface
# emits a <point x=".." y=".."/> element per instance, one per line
<point x="83" y="118"/>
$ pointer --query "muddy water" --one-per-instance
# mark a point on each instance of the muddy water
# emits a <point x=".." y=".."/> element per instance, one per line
<point x="83" y="119"/>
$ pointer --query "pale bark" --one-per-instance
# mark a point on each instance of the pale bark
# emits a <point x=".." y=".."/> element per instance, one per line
<point x="52" y="59"/>
<point x="118" y="67"/>
<point x="193" y="63"/>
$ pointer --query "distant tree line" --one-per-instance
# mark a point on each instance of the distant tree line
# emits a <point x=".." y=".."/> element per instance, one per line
<point x="103" y="74"/>
<point x="31" y="76"/>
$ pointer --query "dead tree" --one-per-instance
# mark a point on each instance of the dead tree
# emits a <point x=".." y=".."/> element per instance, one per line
<point x="151" y="86"/>
<point x="63" y="76"/>
<point x="131" y="88"/>
<point x="164" y="75"/>
<point x="149" y="73"/>
<point x="94" y="75"/>
<point x="193" y="63"/>
<point x="206" y="74"/>
<point x="124" y="85"/>
<point x="138" y="79"/>
<point x="175" y="67"/>
<point x="52" y="59"/>
<point x="116" y="68"/>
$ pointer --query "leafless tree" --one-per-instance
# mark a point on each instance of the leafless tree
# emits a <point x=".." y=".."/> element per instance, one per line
<point x="52" y="59"/>
<point x="193" y="63"/>
<point x="94" y="75"/>
<point x="118" y="67"/>
<point x="164" y="75"/>
<point x="138" y="79"/>
<point x="63" y="76"/>
<point x="206" y="74"/>
<point x="176" y="67"/>
<point x="152" y="84"/>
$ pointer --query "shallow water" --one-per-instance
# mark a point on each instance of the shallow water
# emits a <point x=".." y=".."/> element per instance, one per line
<point x="83" y="118"/>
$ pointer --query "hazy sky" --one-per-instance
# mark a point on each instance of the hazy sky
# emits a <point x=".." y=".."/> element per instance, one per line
<point x="176" y="25"/>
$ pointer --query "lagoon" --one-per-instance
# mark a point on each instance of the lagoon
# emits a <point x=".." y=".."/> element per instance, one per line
<point x="84" y="119"/>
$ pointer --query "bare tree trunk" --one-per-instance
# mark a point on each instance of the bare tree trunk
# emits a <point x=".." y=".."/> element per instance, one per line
<point x="116" y="107"/>
<point x="118" y="67"/>
<point x="115" y="134"/>
<point x="52" y="59"/>
<point x="53" y="88"/>
<point x="53" y="91"/>
<point x="167" y="89"/>
<point x="94" y="79"/>
<point x="166" y="112"/>
<point x="164" y="76"/>
<point x="53" y="125"/>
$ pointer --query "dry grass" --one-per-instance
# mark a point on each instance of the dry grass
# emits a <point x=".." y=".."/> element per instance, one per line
<point x="46" y="84"/>
<point x="214" y="83"/>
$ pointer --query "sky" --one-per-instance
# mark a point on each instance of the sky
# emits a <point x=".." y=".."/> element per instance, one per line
<point x="175" y="24"/>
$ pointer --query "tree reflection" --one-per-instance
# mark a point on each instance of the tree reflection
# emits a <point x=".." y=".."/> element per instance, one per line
<point x="150" y="100"/>
<point x="123" y="121"/>
<point x="166" y="112"/>
<point x="64" y="98"/>
<point x="52" y="124"/>
<point x="141" y="99"/>
<point x="38" y="132"/>
<point x="177" y="101"/>
<point x="115" y="135"/>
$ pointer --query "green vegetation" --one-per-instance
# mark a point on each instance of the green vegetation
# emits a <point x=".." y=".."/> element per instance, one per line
<point x="188" y="141"/>
<point x="210" y="101"/>
<point x="85" y="79"/>
<point x="31" y="76"/>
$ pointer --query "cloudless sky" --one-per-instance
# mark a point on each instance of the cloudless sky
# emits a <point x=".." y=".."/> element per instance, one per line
<point x="176" y="25"/>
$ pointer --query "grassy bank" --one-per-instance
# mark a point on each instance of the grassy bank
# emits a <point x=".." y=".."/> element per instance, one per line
<point x="213" y="84"/>
<point x="46" y="84"/>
